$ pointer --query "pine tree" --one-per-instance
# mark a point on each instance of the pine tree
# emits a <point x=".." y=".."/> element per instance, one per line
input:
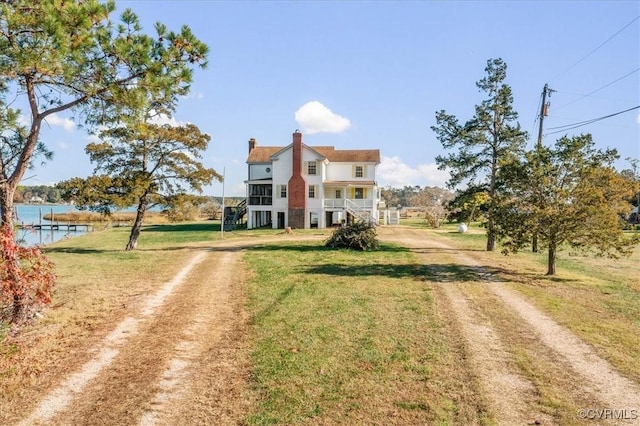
<point x="483" y="144"/>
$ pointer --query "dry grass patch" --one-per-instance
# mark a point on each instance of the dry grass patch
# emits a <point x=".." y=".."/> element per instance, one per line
<point x="94" y="217"/>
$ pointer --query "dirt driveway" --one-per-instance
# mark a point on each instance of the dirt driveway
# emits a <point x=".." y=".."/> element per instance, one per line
<point x="182" y="356"/>
<point x="497" y="323"/>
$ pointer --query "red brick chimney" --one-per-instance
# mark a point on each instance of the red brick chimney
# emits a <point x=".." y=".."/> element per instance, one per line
<point x="252" y="144"/>
<point x="297" y="186"/>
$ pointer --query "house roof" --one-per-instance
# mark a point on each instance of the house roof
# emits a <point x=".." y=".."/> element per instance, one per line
<point x="264" y="154"/>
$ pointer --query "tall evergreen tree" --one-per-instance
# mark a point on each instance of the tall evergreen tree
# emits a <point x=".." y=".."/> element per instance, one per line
<point x="483" y="144"/>
<point x="69" y="56"/>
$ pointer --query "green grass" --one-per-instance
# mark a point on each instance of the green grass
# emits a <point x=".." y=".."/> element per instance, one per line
<point x="345" y="336"/>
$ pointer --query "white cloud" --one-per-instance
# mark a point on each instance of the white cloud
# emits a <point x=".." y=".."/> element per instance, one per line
<point x="393" y="172"/>
<point x="314" y="117"/>
<point x="162" y="119"/>
<point x="23" y="120"/>
<point x="56" y="120"/>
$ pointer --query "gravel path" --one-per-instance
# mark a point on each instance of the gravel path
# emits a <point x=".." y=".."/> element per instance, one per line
<point x="511" y="396"/>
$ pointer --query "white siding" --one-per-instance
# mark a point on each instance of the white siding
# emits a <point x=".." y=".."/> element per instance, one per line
<point x="282" y="171"/>
<point x="345" y="171"/>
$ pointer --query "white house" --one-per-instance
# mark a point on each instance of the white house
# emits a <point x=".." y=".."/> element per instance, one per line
<point x="302" y="186"/>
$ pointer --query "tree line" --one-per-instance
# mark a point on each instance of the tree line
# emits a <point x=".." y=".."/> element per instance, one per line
<point x="563" y="194"/>
<point x="37" y="194"/>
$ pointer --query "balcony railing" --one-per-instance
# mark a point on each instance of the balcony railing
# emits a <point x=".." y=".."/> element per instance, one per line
<point x="260" y="200"/>
<point x="341" y="203"/>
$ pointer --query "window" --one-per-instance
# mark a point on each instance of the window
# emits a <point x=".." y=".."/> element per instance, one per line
<point x="311" y="168"/>
<point x="338" y="193"/>
<point x="312" y="191"/>
<point x="359" y="193"/>
<point x="359" y="171"/>
<point x="283" y="191"/>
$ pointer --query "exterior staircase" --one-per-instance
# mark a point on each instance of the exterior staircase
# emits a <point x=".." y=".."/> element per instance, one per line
<point x="233" y="216"/>
<point x="360" y="213"/>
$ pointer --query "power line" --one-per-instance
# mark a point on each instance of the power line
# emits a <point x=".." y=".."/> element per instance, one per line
<point x="600" y="88"/>
<point x="586" y="122"/>
<point x="594" y="50"/>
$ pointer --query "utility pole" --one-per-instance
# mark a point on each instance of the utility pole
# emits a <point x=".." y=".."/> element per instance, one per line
<point x="222" y="207"/>
<point x="544" y="111"/>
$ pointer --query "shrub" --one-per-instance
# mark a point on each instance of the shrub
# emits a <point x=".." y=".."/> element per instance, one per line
<point x="26" y="279"/>
<point x="356" y="236"/>
<point x="182" y="212"/>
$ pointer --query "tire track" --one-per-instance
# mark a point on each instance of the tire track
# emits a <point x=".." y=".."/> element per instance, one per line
<point x="597" y="376"/>
<point x="59" y="399"/>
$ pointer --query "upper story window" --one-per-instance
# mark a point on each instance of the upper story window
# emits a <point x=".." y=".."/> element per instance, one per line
<point x="312" y="168"/>
<point x="359" y="171"/>
<point x="281" y="191"/>
<point x="313" y="191"/>
<point x="338" y="193"/>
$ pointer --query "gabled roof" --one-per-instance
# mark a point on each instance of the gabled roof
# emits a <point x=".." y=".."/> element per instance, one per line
<point x="349" y="155"/>
<point x="264" y="154"/>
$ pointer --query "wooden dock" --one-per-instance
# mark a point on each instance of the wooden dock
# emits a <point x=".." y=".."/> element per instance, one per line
<point x="69" y="227"/>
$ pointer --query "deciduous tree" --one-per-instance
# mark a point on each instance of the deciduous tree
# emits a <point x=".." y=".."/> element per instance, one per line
<point x="571" y="195"/>
<point x="484" y="143"/>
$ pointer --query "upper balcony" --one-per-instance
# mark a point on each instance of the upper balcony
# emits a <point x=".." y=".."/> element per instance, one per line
<point x="343" y="203"/>
<point x="260" y="200"/>
<point x="260" y="194"/>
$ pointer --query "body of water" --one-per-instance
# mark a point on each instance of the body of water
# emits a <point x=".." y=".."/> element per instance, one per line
<point x="30" y="214"/>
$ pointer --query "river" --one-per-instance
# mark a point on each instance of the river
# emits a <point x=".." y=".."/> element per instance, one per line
<point x="30" y="214"/>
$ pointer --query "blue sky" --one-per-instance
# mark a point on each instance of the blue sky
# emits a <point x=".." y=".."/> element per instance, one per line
<point x="372" y="74"/>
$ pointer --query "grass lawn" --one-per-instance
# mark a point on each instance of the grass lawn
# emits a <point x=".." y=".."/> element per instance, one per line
<point x="342" y="337"/>
<point x="97" y="283"/>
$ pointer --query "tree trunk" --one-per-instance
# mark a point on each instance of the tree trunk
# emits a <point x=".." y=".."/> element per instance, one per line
<point x="11" y="265"/>
<point x="491" y="235"/>
<point x="7" y="189"/>
<point x="534" y="243"/>
<point x="551" y="262"/>
<point x="137" y="225"/>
